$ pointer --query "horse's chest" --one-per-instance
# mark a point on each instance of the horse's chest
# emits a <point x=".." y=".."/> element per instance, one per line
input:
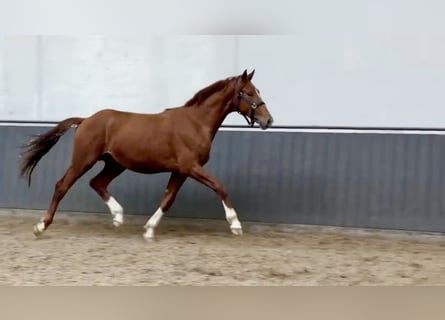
<point x="202" y="150"/>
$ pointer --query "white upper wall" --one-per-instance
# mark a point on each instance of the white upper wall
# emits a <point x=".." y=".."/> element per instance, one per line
<point x="385" y="71"/>
<point x="54" y="77"/>
<point x="359" y="78"/>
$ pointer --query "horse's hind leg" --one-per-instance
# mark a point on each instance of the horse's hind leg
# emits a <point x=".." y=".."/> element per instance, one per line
<point x="84" y="157"/>
<point x="174" y="184"/>
<point x="74" y="172"/>
<point x="100" y="183"/>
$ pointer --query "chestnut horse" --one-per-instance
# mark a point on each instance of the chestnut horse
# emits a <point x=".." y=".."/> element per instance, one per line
<point x="177" y="140"/>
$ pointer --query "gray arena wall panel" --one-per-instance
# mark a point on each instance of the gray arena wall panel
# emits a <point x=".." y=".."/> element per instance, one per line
<point x="351" y="179"/>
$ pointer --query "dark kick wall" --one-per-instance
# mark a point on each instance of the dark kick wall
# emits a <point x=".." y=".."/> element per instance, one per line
<point x="374" y="180"/>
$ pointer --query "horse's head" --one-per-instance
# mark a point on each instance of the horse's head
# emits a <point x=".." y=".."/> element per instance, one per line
<point x="249" y="102"/>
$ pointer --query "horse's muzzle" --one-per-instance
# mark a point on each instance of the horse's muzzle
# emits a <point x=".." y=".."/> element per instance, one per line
<point x="265" y="123"/>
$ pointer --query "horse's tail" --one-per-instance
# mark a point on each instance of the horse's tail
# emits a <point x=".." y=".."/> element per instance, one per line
<point x="41" y="144"/>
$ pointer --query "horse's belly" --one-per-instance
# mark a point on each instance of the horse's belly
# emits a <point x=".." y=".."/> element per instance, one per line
<point x="150" y="167"/>
<point x="145" y="160"/>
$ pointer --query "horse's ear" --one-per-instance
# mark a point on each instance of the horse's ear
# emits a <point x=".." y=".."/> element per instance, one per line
<point x="244" y="76"/>
<point x="250" y="76"/>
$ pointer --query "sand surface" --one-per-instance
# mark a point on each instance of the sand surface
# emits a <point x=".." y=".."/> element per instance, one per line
<point x="85" y="249"/>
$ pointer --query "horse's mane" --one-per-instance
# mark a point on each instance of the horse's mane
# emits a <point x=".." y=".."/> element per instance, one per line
<point x="203" y="94"/>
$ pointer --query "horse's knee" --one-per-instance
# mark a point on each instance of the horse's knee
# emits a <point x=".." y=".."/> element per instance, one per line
<point x="222" y="192"/>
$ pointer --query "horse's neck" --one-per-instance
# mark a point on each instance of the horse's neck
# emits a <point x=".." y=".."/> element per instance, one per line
<point x="214" y="110"/>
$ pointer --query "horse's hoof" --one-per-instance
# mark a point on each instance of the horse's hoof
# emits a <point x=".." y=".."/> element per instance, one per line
<point x="237" y="231"/>
<point x="236" y="228"/>
<point x="149" y="235"/>
<point x="36" y="231"/>
<point x="117" y="223"/>
<point x="148" y="238"/>
<point x="118" y="220"/>
<point x="39" y="228"/>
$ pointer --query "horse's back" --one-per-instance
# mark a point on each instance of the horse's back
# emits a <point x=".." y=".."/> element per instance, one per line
<point x="108" y="113"/>
<point x="105" y="117"/>
<point x="111" y="124"/>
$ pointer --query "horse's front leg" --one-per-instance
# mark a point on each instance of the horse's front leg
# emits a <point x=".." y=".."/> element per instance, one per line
<point x="199" y="174"/>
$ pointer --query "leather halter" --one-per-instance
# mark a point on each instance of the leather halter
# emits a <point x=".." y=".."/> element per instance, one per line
<point x="253" y="106"/>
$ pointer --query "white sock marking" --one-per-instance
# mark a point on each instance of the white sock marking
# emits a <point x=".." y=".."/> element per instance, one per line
<point x="154" y="220"/>
<point x="40" y="226"/>
<point x="232" y="218"/>
<point x="152" y="223"/>
<point x="149" y="234"/>
<point x="116" y="210"/>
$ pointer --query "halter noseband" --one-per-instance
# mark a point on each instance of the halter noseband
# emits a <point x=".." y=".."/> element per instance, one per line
<point x="253" y="107"/>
